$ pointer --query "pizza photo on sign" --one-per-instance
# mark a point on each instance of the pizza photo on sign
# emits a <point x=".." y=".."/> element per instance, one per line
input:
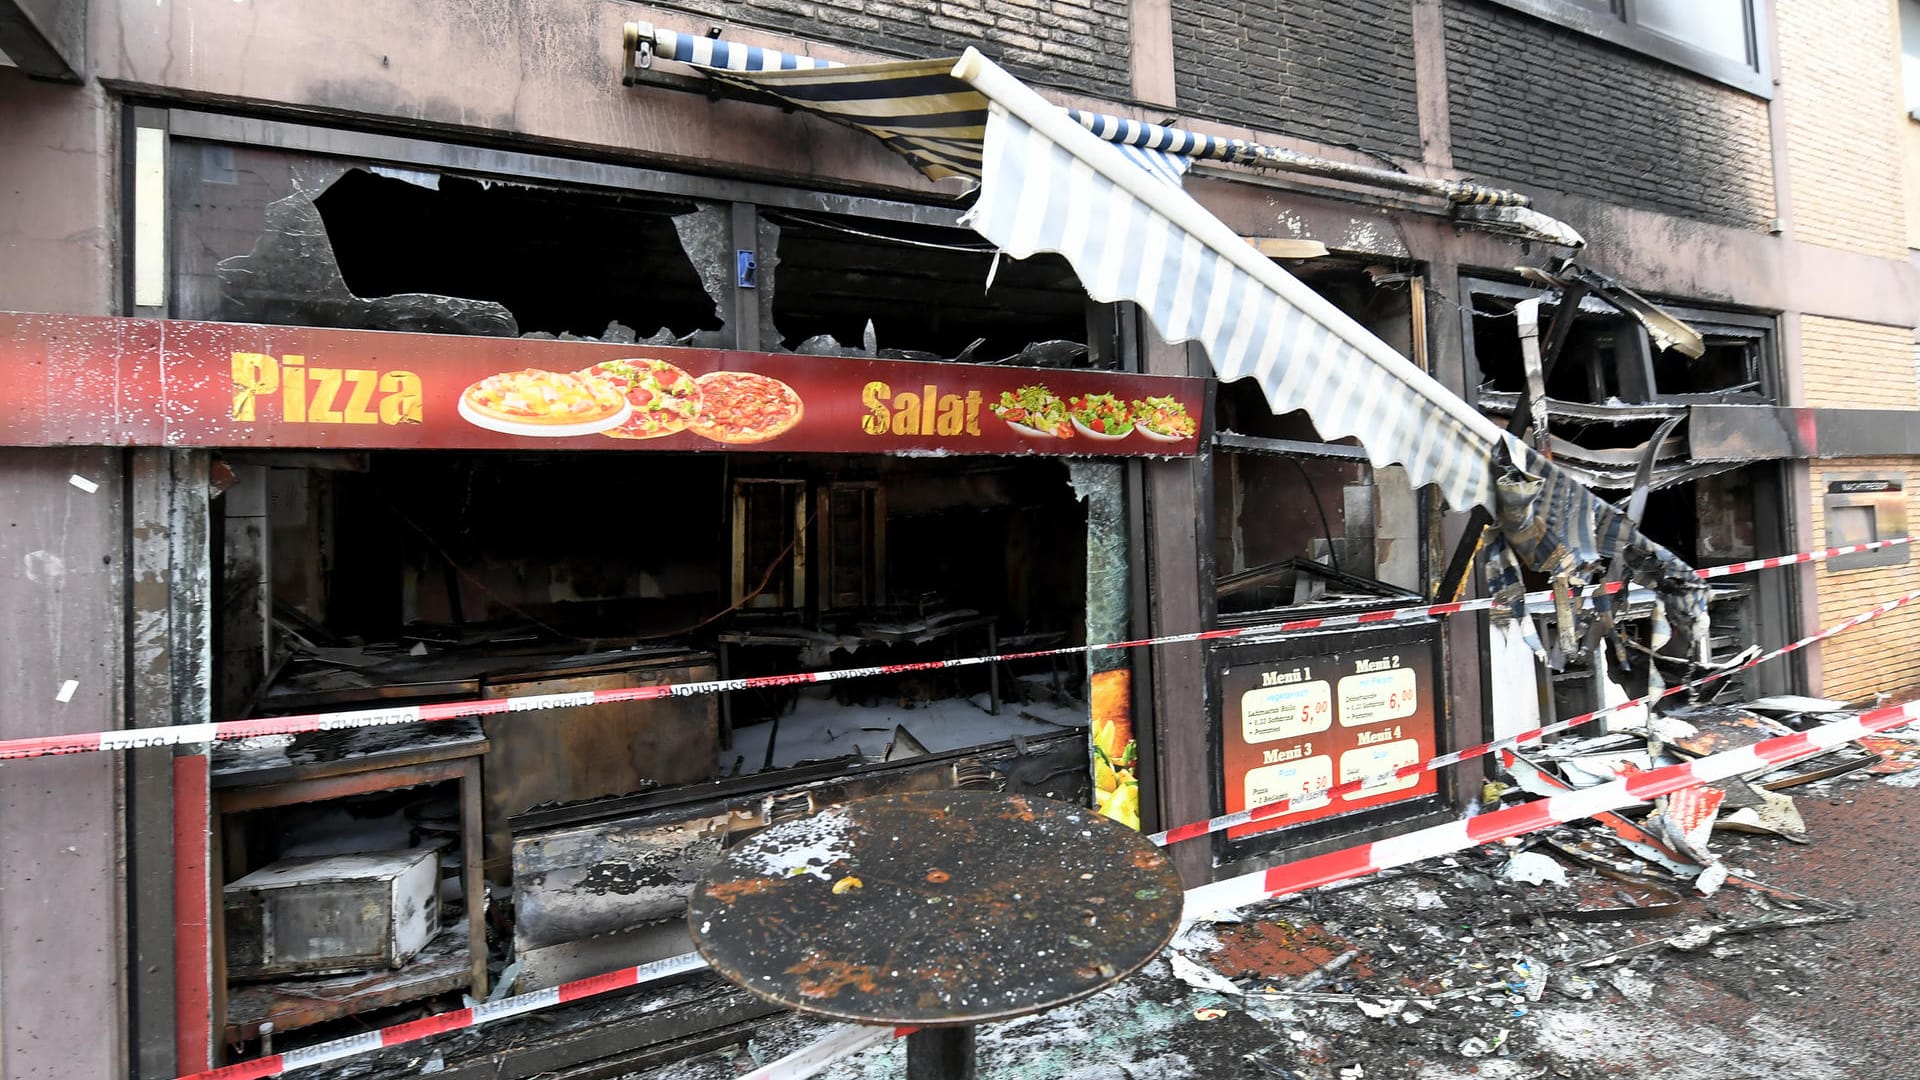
<point x="665" y="398"/>
<point x="1034" y="411"/>
<point x="742" y="407"/>
<point x="552" y="404"/>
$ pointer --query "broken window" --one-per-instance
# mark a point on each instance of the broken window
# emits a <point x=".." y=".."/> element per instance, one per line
<point x="921" y="291"/>
<point x="562" y="261"/>
<point x="1615" y="408"/>
<point x="1300" y="520"/>
<point x="274" y="237"/>
<point x="1608" y="356"/>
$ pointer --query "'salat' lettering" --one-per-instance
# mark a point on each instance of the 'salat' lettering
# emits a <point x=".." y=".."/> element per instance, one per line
<point x="313" y="394"/>
<point x="928" y="412"/>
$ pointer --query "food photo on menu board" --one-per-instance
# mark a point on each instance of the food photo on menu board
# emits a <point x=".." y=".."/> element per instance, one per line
<point x="638" y="398"/>
<point x="1038" y="413"/>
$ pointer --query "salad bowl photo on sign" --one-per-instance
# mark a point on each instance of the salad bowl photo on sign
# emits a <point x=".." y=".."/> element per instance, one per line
<point x="1034" y="411"/>
<point x="1163" y="419"/>
<point x="1100" y="416"/>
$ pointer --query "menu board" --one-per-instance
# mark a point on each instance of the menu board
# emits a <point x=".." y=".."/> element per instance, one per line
<point x="1306" y="714"/>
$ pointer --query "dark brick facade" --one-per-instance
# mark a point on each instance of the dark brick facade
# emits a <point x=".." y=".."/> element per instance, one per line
<point x="1538" y="106"/>
<point x="1079" y="45"/>
<point x="1335" y="72"/>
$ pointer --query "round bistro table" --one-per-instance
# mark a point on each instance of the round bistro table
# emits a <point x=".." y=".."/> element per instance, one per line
<point x="936" y="910"/>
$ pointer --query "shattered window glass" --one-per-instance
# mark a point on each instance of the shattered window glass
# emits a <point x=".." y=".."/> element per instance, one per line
<point x="918" y="292"/>
<point x="269" y="236"/>
<point x="1608" y="358"/>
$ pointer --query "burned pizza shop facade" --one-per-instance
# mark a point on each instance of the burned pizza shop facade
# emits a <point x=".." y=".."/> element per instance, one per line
<point x="660" y="509"/>
<point x="540" y="527"/>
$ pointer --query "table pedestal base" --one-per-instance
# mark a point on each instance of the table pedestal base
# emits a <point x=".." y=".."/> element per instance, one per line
<point x="940" y="1054"/>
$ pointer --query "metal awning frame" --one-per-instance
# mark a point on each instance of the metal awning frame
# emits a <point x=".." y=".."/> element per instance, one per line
<point x="1497" y="210"/>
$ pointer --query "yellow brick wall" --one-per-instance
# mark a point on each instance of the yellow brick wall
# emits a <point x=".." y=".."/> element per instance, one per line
<point x="1841" y="95"/>
<point x="1856" y="365"/>
<point x="1885" y="653"/>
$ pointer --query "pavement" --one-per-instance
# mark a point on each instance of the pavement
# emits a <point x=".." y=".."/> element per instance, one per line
<point x="1451" y="968"/>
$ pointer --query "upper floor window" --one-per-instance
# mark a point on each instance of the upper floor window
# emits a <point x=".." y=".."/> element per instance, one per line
<point x="1721" y="39"/>
<point x="1910" y="54"/>
<point x="1721" y="27"/>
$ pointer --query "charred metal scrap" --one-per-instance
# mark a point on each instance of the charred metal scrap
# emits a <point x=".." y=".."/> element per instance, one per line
<point x="1549" y="522"/>
<point x="1552" y="523"/>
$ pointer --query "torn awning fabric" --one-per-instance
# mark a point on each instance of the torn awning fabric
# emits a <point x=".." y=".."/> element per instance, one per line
<point x="1051" y="181"/>
<point x="1553" y="524"/>
<point x="916" y="107"/>
<point x="892" y="90"/>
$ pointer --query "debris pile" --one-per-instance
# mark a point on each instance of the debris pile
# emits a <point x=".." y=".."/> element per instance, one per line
<point x="1606" y="948"/>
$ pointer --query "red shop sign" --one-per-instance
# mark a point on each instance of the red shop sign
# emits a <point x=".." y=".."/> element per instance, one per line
<point x="81" y="380"/>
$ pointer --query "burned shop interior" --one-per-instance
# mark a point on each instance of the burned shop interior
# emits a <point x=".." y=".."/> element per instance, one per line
<point x="518" y="850"/>
<point x="522" y="849"/>
<point x="1345" y="533"/>
<point x="1603" y="382"/>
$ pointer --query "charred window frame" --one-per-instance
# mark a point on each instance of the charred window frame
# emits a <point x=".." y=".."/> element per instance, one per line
<point x="1348" y="533"/>
<point x="197" y="145"/>
<point x="1609" y="355"/>
<point x="1717" y="516"/>
<point x="1737" y="57"/>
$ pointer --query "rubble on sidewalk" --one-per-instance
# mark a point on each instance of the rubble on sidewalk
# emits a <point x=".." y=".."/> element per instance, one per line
<point x="1584" y="951"/>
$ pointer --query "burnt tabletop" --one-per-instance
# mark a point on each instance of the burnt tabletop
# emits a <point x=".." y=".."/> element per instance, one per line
<point x="936" y="908"/>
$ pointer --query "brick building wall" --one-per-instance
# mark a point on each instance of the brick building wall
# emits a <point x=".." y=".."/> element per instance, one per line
<point x="1883" y="655"/>
<point x="1335" y="72"/>
<point x="1079" y="45"/>
<point x="1859" y="365"/>
<point x="1856" y="365"/>
<point x="1539" y="106"/>
<point x="1841" y="94"/>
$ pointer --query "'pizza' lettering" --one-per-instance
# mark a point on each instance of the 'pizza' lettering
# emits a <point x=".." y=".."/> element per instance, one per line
<point x="928" y="412"/>
<point x="311" y="394"/>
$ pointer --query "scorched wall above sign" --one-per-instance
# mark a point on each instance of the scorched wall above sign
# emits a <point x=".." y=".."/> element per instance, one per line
<point x="74" y="380"/>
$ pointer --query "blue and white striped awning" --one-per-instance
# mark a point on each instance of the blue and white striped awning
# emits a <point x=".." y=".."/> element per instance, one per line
<point x="1071" y="184"/>
<point x="890" y="94"/>
<point x="916" y="107"/>
<point x="1046" y="186"/>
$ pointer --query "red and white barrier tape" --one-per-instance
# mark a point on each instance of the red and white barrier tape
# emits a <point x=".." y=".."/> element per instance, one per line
<point x="193" y="734"/>
<point x="1366" y="859"/>
<point x="1274" y="809"/>
<point x="1801" y="557"/>
<point x="1282" y="880"/>
<point x="457" y="1019"/>
<point x="1629" y="790"/>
